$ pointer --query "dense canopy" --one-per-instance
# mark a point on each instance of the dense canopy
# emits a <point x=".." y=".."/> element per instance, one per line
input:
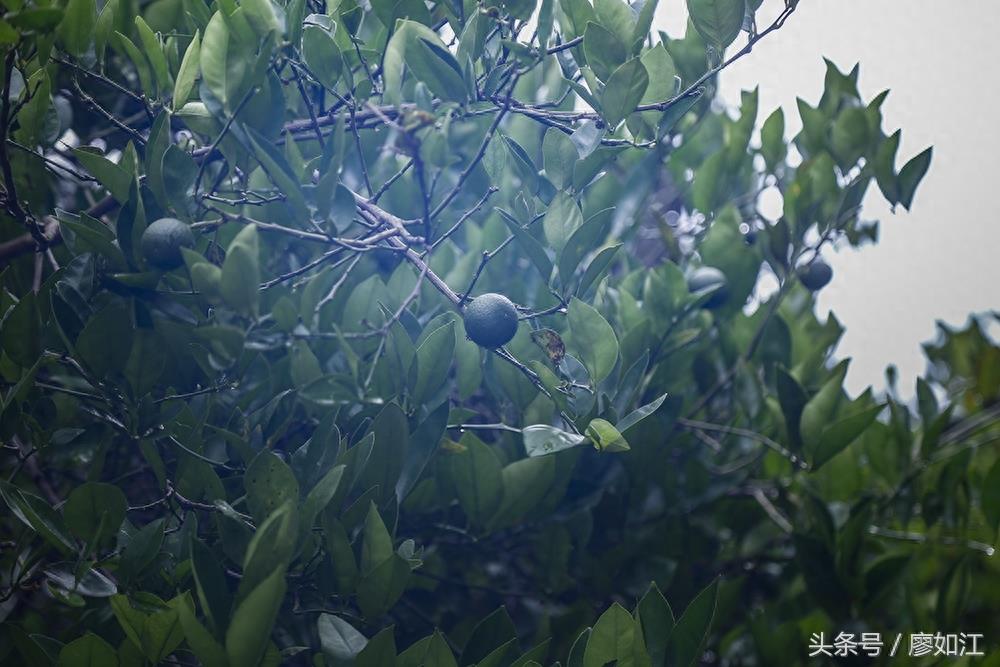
<point x="257" y="432"/>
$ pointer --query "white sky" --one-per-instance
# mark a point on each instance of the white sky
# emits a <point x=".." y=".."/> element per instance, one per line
<point x="940" y="261"/>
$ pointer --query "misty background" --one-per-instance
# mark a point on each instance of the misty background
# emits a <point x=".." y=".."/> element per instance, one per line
<point x="939" y="261"/>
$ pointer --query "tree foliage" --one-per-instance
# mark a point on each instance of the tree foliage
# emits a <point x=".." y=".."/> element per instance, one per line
<point x="287" y="449"/>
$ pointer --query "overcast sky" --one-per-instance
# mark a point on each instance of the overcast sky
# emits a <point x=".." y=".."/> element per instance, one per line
<point x="940" y="260"/>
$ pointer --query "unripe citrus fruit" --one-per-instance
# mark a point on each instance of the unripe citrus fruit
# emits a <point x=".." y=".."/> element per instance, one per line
<point x="490" y="320"/>
<point x="162" y="242"/>
<point x="709" y="276"/>
<point x="816" y="275"/>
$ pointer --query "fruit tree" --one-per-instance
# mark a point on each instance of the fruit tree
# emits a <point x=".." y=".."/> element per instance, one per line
<point x="430" y="332"/>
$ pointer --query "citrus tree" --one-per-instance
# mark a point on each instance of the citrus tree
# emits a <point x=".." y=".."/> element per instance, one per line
<point x="429" y="333"/>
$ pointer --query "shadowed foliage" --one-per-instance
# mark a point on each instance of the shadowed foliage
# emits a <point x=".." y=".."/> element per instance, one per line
<point x="243" y="424"/>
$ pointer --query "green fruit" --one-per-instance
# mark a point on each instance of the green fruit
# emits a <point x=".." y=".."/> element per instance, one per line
<point x="706" y="277"/>
<point x="162" y="242"/>
<point x="490" y="320"/>
<point x="816" y="275"/>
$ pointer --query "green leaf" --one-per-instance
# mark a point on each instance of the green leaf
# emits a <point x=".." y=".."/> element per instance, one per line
<point x="592" y="339"/>
<point x="79" y="581"/>
<point x="990" y="496"/>
<point x="88" y="651"/>
<point x="388" y="11"/>
<point x="320" y="496"/>
<point x="241" y="272"/>
<point x="792" y="398"/>
<point x="272" y="545"/>
<point x="531" y="247"/>
<point x="717" y="21"/>
<point x="431" y="650"/>
<point x="146" y="362"/>
<point x="910" y="176"/>
<point x="32" y="119"/>
<point x="84" y="234"/>
<point x="269" y="484"/>
<point x="562" y="218"/>
<point x="559" y="156"/>
<point x="623" y="92"/>
<point x="612" y="639"/>
<point x="207" y="280"/>
<point x="691" y="630"/>
<point x="525" y="483"/>
<point x="113" y="323"/>
<point x="885" y="167"/>
<point x="179" y="171"/>
<point x="20" y="332"/>
<point x="77" y="27"/>
<point x="499" y="656"/>
<point x="150" y="624"/>
<point x="606" y="437"/>
<point x="663" y="83"/>
<point x="579" y="13"/>
<point x="820" y="409"/>
<point x="304" y="366"/>
<point x="850" y="136"/>
<point x="224" y="65"/>
<point x="264" y="16"/>
<point x="376" y="544"/>
<point x="578" y="650"/>
<point x="35" y="513"/>
<point x="657" y="622"/>
<point x="642" y="24"/>
<point x="205" y="647"/>
<point x="542" y="439"/>
<point x="637" y="415"/>
<point x="595" y="270"/>
<point x="433" y="362"/>
<point x="253" y="619"/>
<point x="338" y="545"/>
<point x="103" y="29"/>
<point x="153" y="51"/>
<point x="389" y="454"/>
<point x="380" y="651"/>
<point x="434" y="65"/>
<point x="842" y="432"/>
<point x="582" y="241"/>
<point x="420" y="49"/>
<point x="425" y="442"/>
<point x="322" y="54"/>
<point x="210" y="585"/>
<point x="546" y="13"/>
<point x="618" y="17"/>
<point x="95" y="510"/>
<point x="604" y="50"/>
<point x="379" y="590"/>
<point x="147" y="79"/>
<point x="522" y="164"/>
<point x="340" y="641"/>
<point x="723" y="248"/>
<point x="280" y="173"/>
<point x="476" y="472"/>
<point x="587" y="139"/>
<point x="491" y="633"/>
<point x="112" y="176"/>
<point x="188" y="72"/>
<point x="772" y="139"/>
<point x="142" y="549"/>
